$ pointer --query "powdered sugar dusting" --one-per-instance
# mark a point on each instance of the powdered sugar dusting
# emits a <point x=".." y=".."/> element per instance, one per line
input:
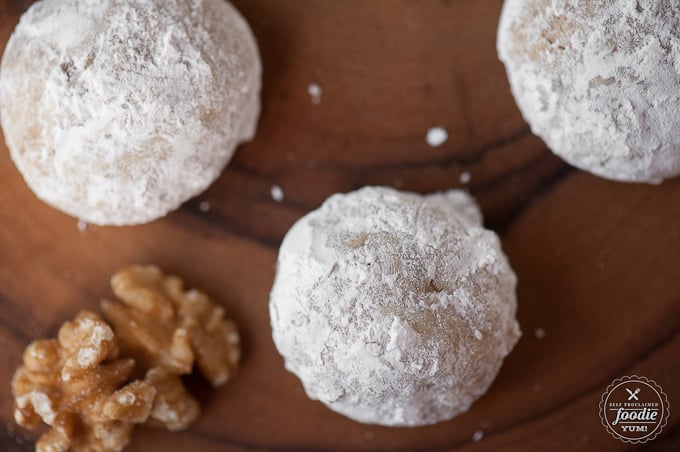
<point x="394" y="308"/>
<point x="436" y="136"/>
<point x="314" y="90"/>
<point x="117" y="112"/>
<point x="101" y="334"/>
<point x="41" y="403"/>
<point x="127" y="398"/>
<point x="87" y="356"/>
<point x="277" y="193"/>
<point x="598" y="81"/>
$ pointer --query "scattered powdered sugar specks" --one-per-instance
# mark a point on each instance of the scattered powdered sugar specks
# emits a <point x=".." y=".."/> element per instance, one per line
<point x="539" y="333"/>
<point x="204" y="206"/>
<point x="465" y="177"/>
<point x="314" y="90"/>
<point x="436" y="136"/>
<point x="478" y="435"/>
<point x="277" y="193"/>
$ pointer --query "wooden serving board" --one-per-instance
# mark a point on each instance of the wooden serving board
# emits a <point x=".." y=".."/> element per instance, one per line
<point x="598" y="262"/>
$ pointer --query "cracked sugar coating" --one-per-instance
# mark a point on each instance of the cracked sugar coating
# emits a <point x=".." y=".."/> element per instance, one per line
<point x="118" y="111"/>
<point x="598" y="81"/>
<point x="394" y="308"/>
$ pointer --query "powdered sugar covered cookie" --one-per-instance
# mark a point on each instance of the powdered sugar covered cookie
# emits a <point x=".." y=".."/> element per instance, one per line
<point x="598" y="81"/>
<point x="394" y="308"/>
<point x="117" y="111"/>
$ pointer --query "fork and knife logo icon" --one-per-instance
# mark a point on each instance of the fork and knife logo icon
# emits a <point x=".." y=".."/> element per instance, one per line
<point x="633" y="394"/>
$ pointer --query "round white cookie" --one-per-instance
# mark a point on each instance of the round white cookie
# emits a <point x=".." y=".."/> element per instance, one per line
<point x="394" y="308"/>
<point x="118" y="111"/>
<point x="598" y="81"/>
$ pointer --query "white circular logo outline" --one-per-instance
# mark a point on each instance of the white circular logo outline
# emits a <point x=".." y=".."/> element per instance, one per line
<point x="665" y="407"/>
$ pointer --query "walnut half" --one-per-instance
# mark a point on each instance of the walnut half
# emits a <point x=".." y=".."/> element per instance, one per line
<point x="76" y="385"/>
<point x="161" y="324"/>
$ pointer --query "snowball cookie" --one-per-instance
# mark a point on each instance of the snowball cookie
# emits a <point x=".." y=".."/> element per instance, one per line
<point x="394" y="308"/>
<point x="598" y="81"/>
<point x="117" y="111"/>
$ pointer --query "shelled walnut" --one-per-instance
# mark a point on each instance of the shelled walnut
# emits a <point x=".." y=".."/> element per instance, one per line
<point x="161" y="324"/>
<point x="75" y="385"/>
<point x="174" y="408"/>
<point x="93" y="383"/>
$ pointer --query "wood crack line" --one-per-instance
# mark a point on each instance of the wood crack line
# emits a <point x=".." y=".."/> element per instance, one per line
<point x="475" y="156"/>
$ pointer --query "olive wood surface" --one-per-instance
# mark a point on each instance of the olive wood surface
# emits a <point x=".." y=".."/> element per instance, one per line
<point x="598" y="262"/>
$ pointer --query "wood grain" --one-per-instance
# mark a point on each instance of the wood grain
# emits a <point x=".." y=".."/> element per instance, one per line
<point x="597" y="261"/>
